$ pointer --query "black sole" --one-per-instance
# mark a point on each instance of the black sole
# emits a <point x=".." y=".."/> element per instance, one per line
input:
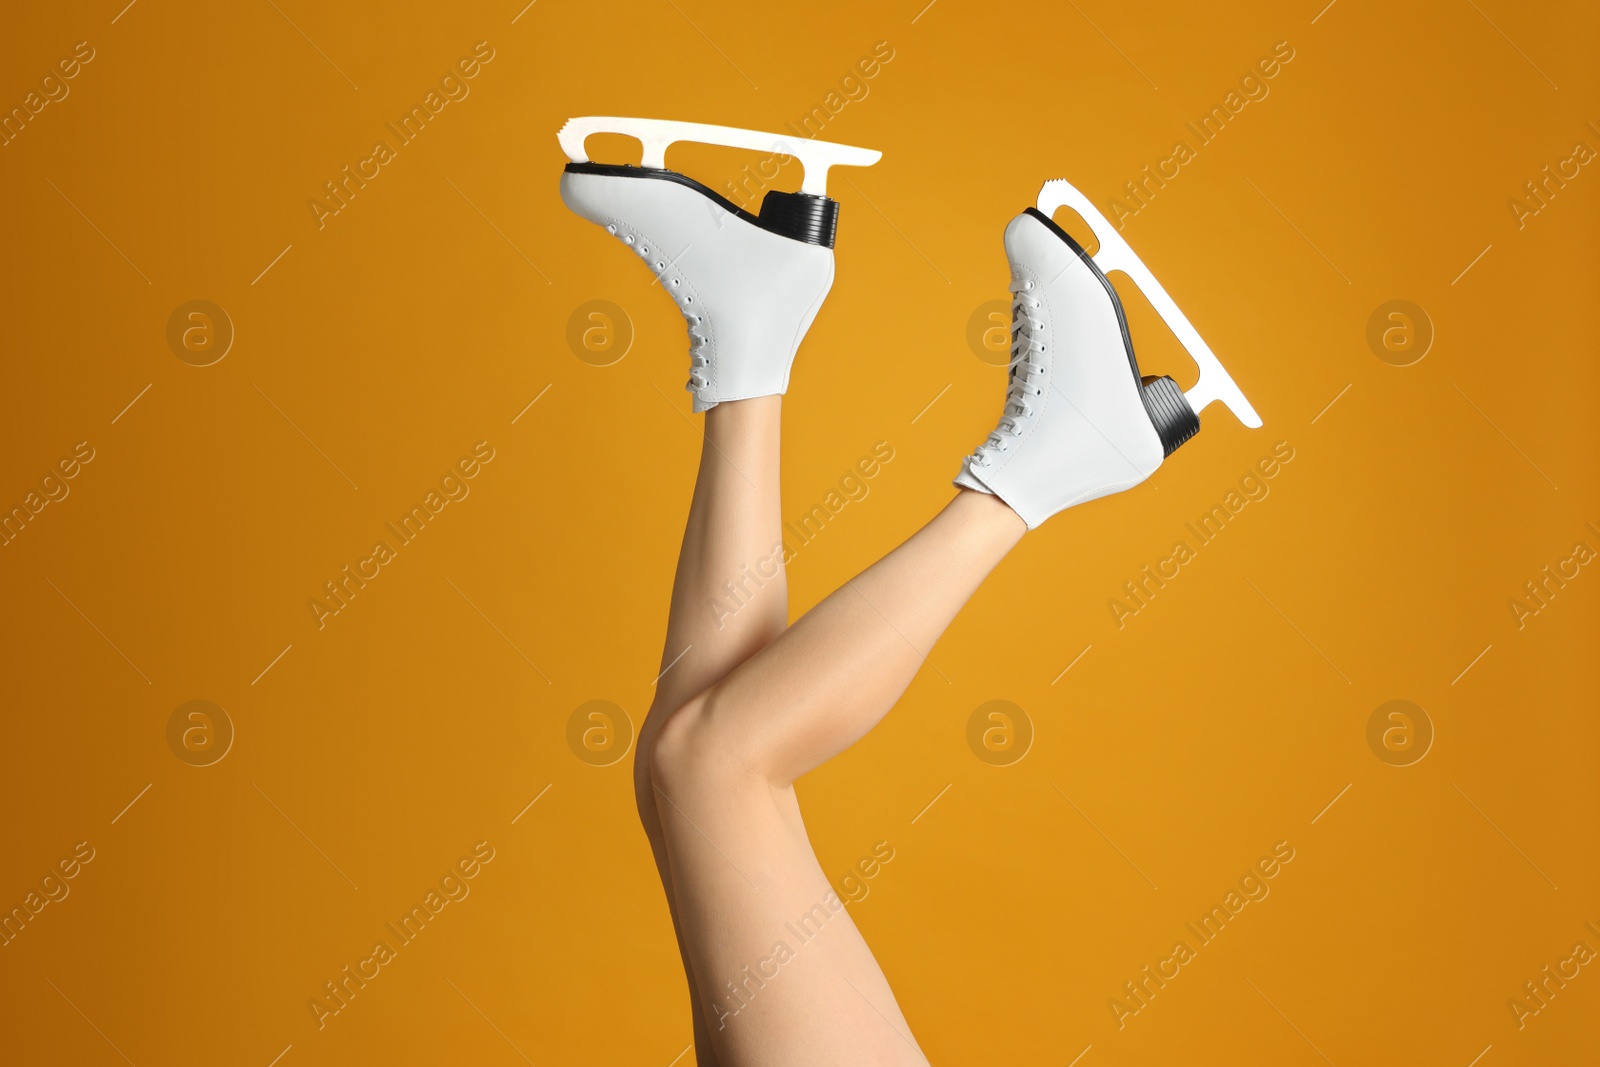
<point x="812" y="220"/>
<point x="1169" y="412"/>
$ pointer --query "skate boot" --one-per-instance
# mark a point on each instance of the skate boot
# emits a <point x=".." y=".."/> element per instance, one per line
<point x="1080" y="422"/>
<point x="748" y="285"/>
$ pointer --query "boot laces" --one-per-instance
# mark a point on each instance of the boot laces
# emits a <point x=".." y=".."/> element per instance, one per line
<point x="661" y="268"/>
<point x="1027" y="373"/>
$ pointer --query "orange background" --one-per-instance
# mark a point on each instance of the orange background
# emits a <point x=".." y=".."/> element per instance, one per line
<point x="1224" y="717"/>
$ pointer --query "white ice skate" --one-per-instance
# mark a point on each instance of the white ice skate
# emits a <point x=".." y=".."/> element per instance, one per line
<point x="748" y="285"/>
<point x="1080" y="421"/>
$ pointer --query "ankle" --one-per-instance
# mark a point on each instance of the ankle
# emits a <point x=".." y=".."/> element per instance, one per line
<point x="989" y="514"/>
<point x="736" y="415"/>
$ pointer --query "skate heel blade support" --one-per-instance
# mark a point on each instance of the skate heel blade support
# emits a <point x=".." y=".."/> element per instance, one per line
<point x="1215" y="382"/>
<point x="813" y="219"/>
<point x="657" y="134"/>
<point x="1170" y="413"/>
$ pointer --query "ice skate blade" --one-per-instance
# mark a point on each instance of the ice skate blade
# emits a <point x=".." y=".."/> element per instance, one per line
<point x="657" y="134"/>
<point x="1215" y="382"/>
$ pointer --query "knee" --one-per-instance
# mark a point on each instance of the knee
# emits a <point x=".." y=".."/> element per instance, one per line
<point x="694" y="749"/>
<point x="645" y="762"/>
<point x="673" y="756"/>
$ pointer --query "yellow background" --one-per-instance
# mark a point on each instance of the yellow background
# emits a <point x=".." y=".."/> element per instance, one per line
<point x="425" y="717"/>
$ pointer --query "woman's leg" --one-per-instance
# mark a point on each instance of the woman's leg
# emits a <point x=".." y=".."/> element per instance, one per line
<point x="781" y="970"/>
<point x="729" y="597"/>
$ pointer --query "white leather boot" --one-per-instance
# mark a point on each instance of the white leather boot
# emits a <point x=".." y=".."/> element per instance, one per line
<point x="748" y="285"/>
<point x="1079" y="422"/>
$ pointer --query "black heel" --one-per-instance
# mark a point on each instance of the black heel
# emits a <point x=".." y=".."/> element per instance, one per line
<point x="1171" y="415"/>
<point x="801" y="216"/>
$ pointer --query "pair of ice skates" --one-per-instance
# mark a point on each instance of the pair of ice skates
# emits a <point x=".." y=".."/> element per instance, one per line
<point x="1080" y="421"/>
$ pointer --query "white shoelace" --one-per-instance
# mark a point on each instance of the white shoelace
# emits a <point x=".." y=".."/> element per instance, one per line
<point x="698" y="360"/>
<point x="1027" y="374"/>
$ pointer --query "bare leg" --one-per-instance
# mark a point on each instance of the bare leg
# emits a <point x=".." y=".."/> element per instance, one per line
<point x="733" y="533"/>
<point x="779" y="964"/>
